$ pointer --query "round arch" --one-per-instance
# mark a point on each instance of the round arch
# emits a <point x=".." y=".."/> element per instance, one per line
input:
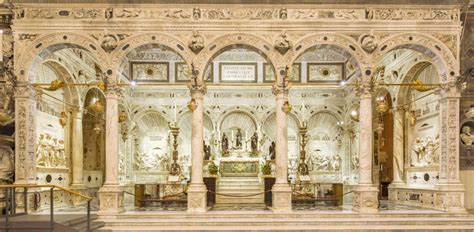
<point x="412" y="73"/>
<point x="133" y="42"/>
<point x="343" y="42"/>
<point x="60" y="69"/>
<point x="293" y="115"/>
<point x="445" y="62"/>
<point x="55" y="41"/>
<point x="219" y="44"/>
<point x="234" y="110"/>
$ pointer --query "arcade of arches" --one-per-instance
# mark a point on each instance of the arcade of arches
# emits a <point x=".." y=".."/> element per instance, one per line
<point x="231" y="104"/>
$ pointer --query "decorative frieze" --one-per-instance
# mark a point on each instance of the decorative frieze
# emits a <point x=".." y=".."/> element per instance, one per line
<point x="412" y="14"/>
<point x="239" y="13"/>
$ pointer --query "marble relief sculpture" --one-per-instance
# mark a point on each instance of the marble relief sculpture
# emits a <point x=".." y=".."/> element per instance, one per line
<point x="425" y="152"/>
<point x="327" y="163"/>
<point x="50" y="152"/>
<point x="156" y="162"/>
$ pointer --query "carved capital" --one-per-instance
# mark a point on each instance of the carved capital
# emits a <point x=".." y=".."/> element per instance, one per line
<point x="449" y="90"/>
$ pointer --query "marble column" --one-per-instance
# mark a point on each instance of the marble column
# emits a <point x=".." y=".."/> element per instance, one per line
<point x="77" y="150"/>
<point x="281" y="191"/>
<point x="77" y="155"/>
<point x="450" y="196"/>
<point x="197" y="191"/>
<point x="398" y="152"/>
<point x="25" y="134"/>
<point x="111" y="194"/>
<point x="366" y="194"/>
<point x="398" y="148"/>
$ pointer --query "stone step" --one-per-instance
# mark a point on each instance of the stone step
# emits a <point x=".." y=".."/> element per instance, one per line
<point x="315" y="222"/>
<point x="240" y="190"/>
<point x="424" y="214"/>
<point x="239" y="182"/>
<point x="238" y="201"/>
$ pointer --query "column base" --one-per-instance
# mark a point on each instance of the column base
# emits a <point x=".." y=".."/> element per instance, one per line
<point x="450" y="197"/>
<point x="281" y="198"/>
<point x="366" y="199"/>
<point x="392" y="190"/>
<point x="77" y="200"/>
<point x="110" y="200"/>
<point x="197" y="198"/>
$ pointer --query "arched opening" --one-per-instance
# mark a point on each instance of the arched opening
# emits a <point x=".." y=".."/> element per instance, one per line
<point x="415" y="108"/>
<point x="94" y="139"/>
<point x="58" y="118"/>
<point x="383" y="142"/>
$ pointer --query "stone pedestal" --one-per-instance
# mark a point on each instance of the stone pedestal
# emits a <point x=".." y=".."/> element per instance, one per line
<point x="110" y="200"/>
<point x="450" y="198"/>
<point x="77" y="200"/>
<point x="197" y="198"/>
<point x="281" y="198"/>
<point x="366" y="199"/>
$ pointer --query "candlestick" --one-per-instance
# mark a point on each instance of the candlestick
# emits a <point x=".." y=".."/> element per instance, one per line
<point x="175" y="112"/>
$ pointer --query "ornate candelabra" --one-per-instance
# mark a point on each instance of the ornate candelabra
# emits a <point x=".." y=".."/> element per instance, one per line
<point x="302" y="166"/>
<point x="175" y="169"/>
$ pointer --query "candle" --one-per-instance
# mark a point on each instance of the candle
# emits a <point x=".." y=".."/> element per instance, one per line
<point x="246" y="135"/>
<point x="175" y="111"/>
<point x="232" y="137"/>
<point x="303" y="108"/>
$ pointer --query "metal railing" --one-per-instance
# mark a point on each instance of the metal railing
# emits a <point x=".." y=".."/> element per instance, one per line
<point x="10" y="202"/>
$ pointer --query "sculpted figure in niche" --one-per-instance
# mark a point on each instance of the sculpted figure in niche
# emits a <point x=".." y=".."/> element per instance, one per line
<point x="224" y="144"/>
<point x="271" y="151"/>
<point x="207" y="150"/>
<point x="238" y="138"/>
<point x="254" y="143"/>
<point x="336" y="163"/>
<point x="466" y="136"/>
<point x="6" y="165"/>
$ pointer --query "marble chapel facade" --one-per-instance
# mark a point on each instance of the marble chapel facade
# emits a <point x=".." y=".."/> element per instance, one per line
<point x="369" y="102"/>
